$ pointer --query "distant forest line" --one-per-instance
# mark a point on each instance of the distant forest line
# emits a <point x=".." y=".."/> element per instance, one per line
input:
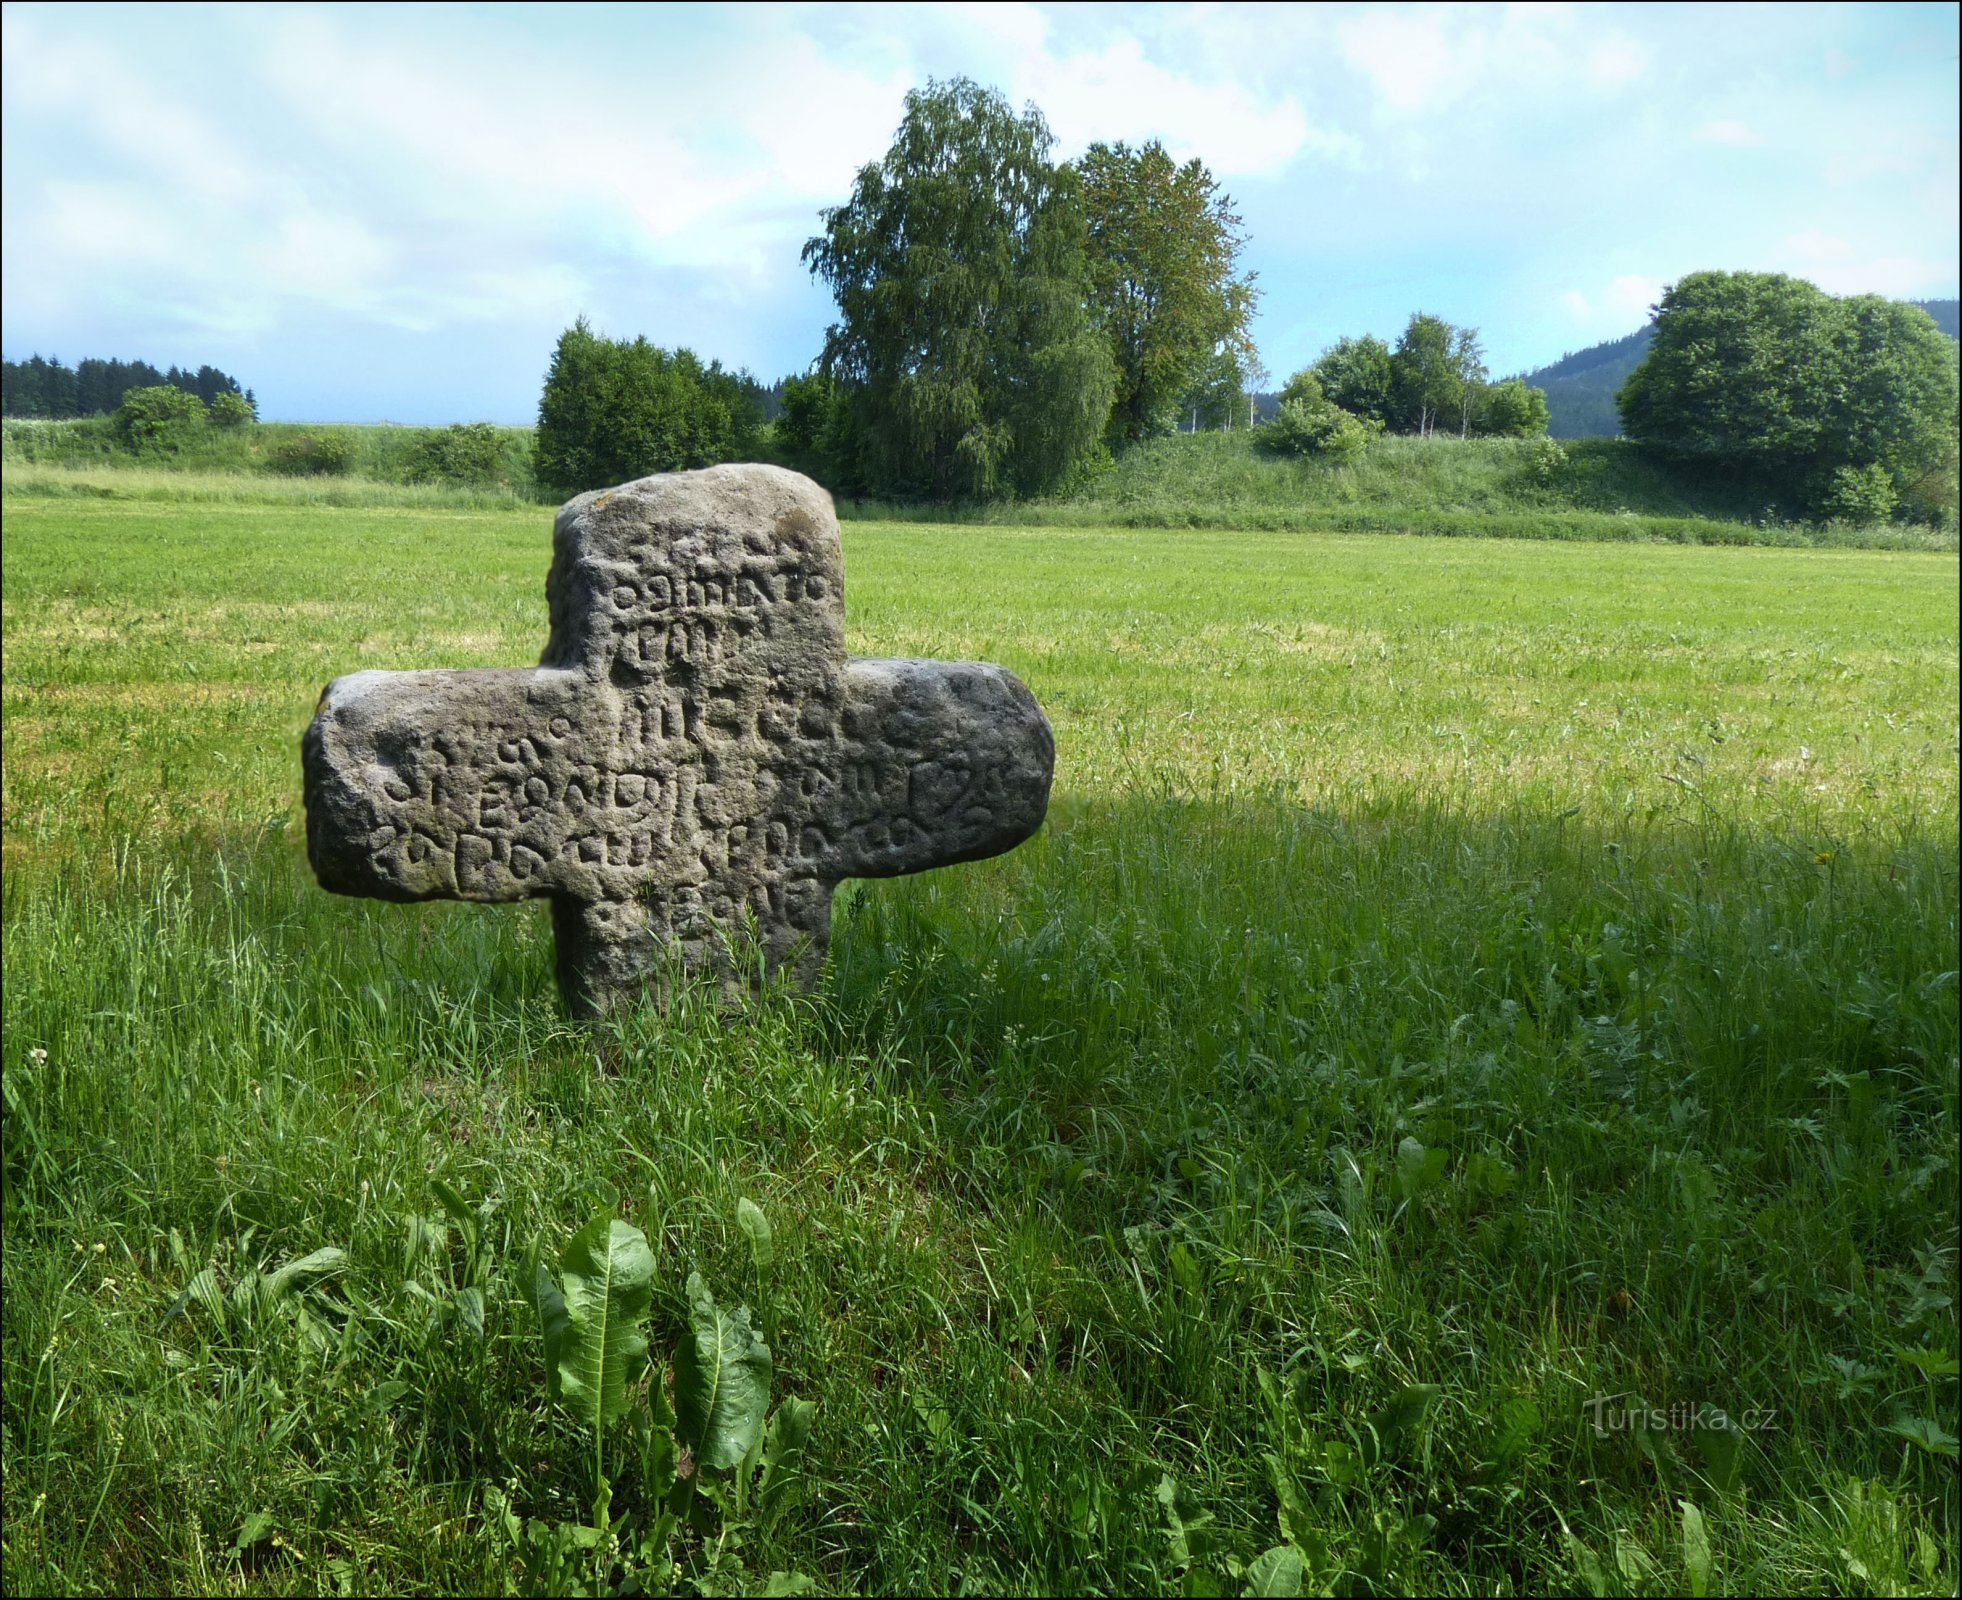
<point x="42" y="386"/>
<point x="1580" y="387"/>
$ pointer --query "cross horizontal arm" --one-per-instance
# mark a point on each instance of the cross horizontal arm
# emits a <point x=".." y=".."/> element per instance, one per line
<point x="939" y="762"/>
<point x="444" y="785"/>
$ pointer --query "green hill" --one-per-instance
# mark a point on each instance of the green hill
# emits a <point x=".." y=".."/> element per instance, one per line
<point x="1580" y="388"/>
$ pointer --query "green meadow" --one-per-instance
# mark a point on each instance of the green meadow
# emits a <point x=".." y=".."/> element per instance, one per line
<point x="1463" y="1088"/>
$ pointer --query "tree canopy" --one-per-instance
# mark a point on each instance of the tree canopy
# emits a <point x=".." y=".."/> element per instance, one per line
<point x="618" y="409"/>
<point x="1355" y="375"/>
<point x="965" y="348"/>
<point x="1426" y="378"/>
<point x="1163" y="248"/>
<point x="1765" y="373"/>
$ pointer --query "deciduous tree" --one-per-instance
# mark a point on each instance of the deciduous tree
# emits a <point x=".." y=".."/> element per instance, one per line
<point x="1768" y="374"/>
<point x="965" y="344"/>
<point x="155" y="416"/>
<point x="1163" y="246"/>
<point x="1425" y="381"/>
<point x="1355" y="375"/>
<point x="1512" y="409"/>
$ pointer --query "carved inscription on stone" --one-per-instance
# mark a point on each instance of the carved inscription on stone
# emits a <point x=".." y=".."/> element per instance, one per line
<point x="694" y="764"/>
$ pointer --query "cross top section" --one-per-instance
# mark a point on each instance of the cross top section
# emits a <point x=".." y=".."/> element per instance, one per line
<point x="694" y="764"/>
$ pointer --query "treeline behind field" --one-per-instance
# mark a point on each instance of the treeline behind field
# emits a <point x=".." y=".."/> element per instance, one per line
<point x="1592" y="490"/>
<point x="45" y="387"/>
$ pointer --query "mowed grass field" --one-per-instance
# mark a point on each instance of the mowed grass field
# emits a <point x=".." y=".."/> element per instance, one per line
<point x="1480" y="1015"/>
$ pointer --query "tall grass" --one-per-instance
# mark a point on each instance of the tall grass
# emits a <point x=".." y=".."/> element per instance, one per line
<point x="1464" y="993"/>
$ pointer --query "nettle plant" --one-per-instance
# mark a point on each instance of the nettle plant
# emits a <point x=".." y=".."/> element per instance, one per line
<point x="715" y="1468"/>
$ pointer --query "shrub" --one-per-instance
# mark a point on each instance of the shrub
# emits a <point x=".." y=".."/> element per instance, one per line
<point x="313" y="455"/>
<point x="464" y="452"/>
<point x="1545" y="459"/>
<point x="230" y="409"/>
<point x="1859" y="495"/>
<point x="1301" y="428"/>
<point x="157" y="415"/>
<point x="1512" y="410"/>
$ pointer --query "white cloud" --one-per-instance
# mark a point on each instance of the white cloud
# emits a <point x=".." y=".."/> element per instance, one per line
<point x="423" y="176"/>
<point x="1633" y="294"/>
<point x="1618" y="59"/>
<point x="1901" y="277"/>
<point x="1427" y="59"/>
<point x="1408" y="58"/>
<point x="1118" y="93"/>
<point x="1576" y="302"/>
<point x="333" y="259"/>
<point x="1815" y="245"/>
<point x="1729" y="132"/>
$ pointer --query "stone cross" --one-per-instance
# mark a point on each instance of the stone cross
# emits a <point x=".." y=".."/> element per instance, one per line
<point x="695" y="762"/>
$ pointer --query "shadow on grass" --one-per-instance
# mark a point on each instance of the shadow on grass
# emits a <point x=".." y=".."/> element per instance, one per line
<point x="1071" y="1146"/>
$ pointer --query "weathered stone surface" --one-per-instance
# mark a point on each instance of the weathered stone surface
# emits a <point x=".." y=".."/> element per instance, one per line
<point x="695" y="762"/>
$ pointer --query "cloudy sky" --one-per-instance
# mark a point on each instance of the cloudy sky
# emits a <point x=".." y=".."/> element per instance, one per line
<point x="390" y="212"/>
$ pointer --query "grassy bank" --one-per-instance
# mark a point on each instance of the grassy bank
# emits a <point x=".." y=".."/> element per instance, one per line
<point x="45" y="454"/>
<point x="1600" y="490"/>
<point x="1467" y="996"/>
<point x="1585" y="489"/>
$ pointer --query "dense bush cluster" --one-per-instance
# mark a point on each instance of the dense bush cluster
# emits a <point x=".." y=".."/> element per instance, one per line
<point x="618" y="409"/>
<point x="329" y="452"/>
<point x="1850" y="403"/>
<point x="462" y="453"/>
<point x="1307" y="422"/>
<point x="157" y="416"/>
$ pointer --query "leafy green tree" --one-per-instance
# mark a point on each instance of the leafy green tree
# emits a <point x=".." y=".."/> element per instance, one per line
<point x="1511" y="409"/>
<point x="1163" y="248"/>
<point x="1895" y="404"/>
<point x="1426" y="376"/>
<point x="614" y="409"/>
<point x="230" y="409"/>
<point x="1217" y="395"/>
<point x="1860" y="495"/>
<point x="158" y="415"/>
<point x="1305" y="388"/>
<point x="1307" y="422"/>
<point x="1468" y="361"/>
<point x="965" y="344"/>
<point x="1355" y="374"/>
<point x="1766" y="374"/>
<point x="806" y="406"/>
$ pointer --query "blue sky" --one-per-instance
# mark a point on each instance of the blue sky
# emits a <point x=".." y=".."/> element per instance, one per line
<point x="390" y="212"/>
